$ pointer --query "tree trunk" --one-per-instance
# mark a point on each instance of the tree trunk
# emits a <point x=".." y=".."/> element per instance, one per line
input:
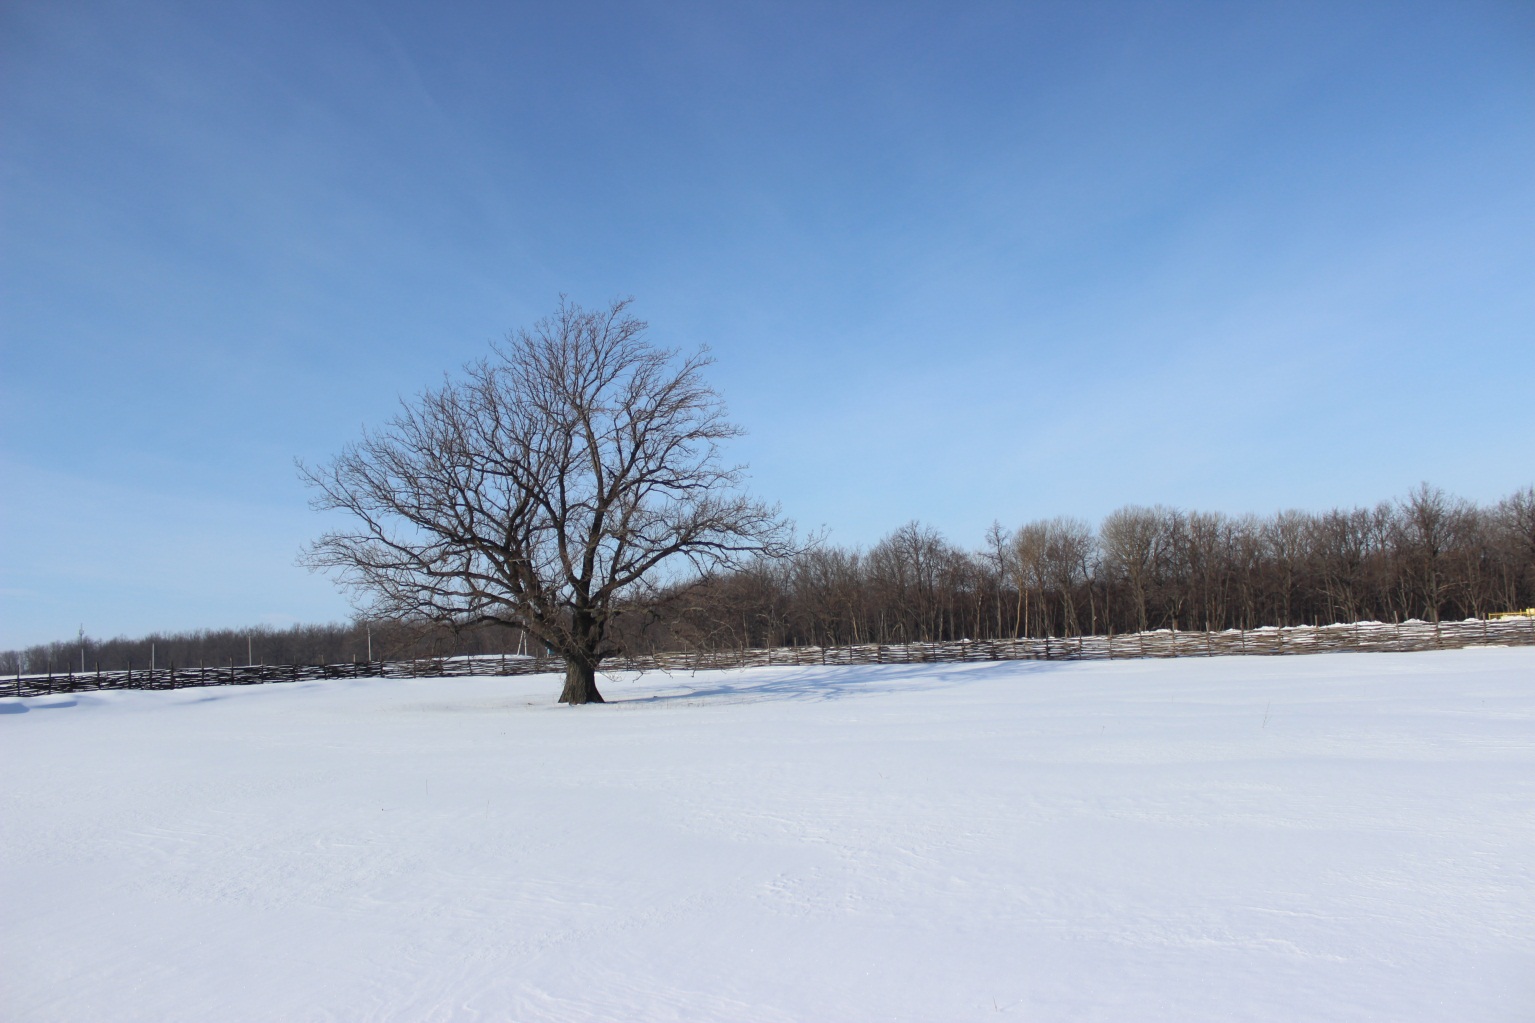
<point x="580" y="683"/>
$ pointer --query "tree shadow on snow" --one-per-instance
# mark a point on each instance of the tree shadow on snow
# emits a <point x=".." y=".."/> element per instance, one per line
<point x="37" y="703"/>
<point x="761" y="685"/>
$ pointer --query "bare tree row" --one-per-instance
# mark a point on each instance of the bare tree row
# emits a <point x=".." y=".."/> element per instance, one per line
<point x="339" y="643"/>
<point x="1429" y="556"/>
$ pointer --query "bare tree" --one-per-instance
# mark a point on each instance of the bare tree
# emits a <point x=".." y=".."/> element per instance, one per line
<point x="907" y="568"/>
<point x="1132" y="541"/>
<point x="1432" y="523"/>
<point x="1208" y="538"/>
<point x="547" y="491"/>
<point x="998" y="562"/>
<point x="1341" y="541"/>
<point x="1515" y="529"/>
<point x="1285" y="540"/>
<point x="1069" y="547"/>
<point x="1030" y="565"/>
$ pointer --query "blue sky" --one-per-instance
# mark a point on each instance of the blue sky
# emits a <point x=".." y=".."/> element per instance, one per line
<point x="957" y="262"/>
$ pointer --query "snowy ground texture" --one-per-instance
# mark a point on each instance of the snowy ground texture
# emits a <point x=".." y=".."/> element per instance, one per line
<point x="1333" y="837"/>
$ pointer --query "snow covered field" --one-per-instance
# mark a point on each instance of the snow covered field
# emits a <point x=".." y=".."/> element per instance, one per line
<point x="1332" y="837"/>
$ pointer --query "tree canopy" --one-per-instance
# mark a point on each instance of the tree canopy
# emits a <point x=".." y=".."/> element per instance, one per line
<point x="547" y="490"/>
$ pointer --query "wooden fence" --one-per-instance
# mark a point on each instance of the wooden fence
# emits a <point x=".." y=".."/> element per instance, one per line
<point x="1271" y="641"/>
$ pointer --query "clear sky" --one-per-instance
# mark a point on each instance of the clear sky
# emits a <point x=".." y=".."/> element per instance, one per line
<point x="958" y="262"/>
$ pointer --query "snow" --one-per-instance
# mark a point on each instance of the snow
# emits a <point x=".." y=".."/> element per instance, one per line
<point x="1336" y="836"/>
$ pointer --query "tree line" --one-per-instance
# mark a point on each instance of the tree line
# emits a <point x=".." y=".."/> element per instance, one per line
<point x="1429" y="556"/>
<point x="335" y="643"/>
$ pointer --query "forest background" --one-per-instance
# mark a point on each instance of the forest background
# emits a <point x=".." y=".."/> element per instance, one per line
<point x="1429" y="556"/>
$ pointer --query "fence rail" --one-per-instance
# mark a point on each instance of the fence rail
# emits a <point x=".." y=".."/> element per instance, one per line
<point x="1270" y="641"/>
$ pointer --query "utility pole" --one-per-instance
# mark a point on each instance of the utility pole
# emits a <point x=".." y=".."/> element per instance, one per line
<point x="82" y="648"/>
<point x="369" y="626"/>
<point x="248" y="657"/>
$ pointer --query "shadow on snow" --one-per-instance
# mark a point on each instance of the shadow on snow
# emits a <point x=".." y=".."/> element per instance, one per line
<point x="761" y="685"/>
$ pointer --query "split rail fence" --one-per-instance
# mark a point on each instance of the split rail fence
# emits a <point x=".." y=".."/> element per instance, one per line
<point x="1269" y="641"/>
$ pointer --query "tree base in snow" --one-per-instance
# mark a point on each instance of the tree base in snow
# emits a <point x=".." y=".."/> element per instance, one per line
<point x="580" y="685"/>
